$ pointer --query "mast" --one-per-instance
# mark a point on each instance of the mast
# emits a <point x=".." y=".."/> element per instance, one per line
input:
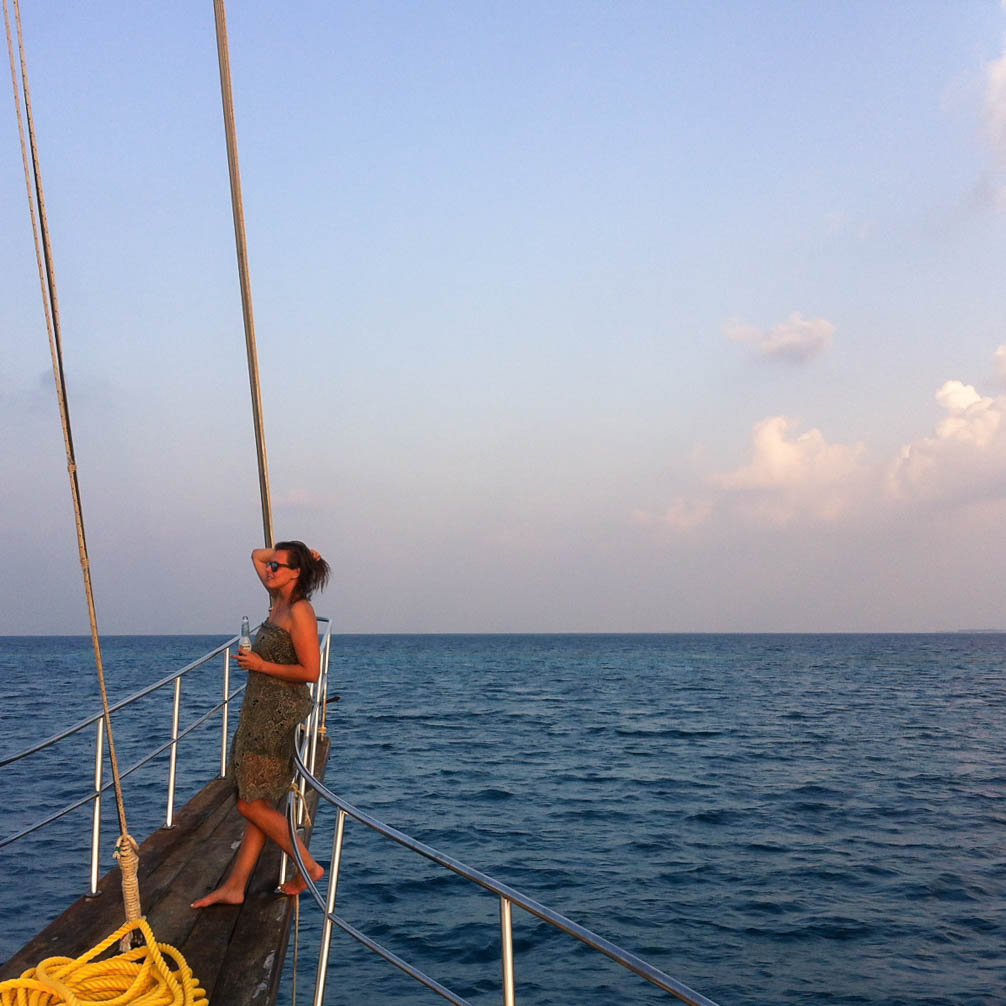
<point x="237" y="206"/>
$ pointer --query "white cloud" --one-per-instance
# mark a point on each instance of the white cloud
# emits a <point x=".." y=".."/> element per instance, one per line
<point x="789" y="478"/>
<point x="797" y="339"/>
<point x="965" y="457"/>
<point x="957" y="397"/>
<point x="793" y="477"/>
<point x="778" y="461"/>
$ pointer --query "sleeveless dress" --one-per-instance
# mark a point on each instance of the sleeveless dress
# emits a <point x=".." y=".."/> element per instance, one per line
<point x="261" y="765"/>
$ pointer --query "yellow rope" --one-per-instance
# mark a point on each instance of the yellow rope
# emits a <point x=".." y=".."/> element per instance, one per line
<point x="140" y="977"/>
<point x="127" y="852"/>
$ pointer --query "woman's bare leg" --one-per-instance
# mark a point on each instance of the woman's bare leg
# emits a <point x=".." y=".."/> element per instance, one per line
<point x="232" y="890"/>
<point x="264" y="821"/>
<point x="273" y="824"/>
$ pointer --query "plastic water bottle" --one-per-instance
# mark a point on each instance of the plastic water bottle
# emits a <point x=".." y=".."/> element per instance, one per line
<point x="244" y="640"/>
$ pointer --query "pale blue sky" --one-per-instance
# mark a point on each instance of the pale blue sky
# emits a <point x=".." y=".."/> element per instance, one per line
<point x="498" y="251"/>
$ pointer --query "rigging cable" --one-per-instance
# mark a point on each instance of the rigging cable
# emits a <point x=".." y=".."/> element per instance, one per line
<point x="127" y="848"/>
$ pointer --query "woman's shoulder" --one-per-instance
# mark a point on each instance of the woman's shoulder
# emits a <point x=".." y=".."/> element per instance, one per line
<point x="302" y="612"/>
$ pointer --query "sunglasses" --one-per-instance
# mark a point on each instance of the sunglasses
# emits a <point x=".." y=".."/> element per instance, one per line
<point x="273" y="565"/>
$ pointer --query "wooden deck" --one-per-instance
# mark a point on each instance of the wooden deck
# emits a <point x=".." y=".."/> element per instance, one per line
<point x="236" y="952"/>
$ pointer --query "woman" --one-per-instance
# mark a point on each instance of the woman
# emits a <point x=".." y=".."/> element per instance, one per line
<point x="283" y="659"/>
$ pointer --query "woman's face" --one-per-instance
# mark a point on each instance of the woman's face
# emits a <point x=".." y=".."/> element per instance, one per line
<point x="276" y="579"/>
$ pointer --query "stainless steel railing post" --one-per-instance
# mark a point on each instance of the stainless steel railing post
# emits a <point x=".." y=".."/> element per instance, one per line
<point x="298" y="781"/>
<point x="506" y="951"/>
<point x="226" y="713"/>
<point x="318" y="695"/>
<point x="283" y="857"/>
<point x="96" y="812"/>
<point x="306" y="752"/>
<point x="326" y="658"/>
<point x="173" y="761"/>
<point x="326" y="932"/>
<point x="318" y="690"/>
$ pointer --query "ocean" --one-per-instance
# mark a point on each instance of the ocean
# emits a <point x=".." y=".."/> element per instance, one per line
<point x="768" y="818"/>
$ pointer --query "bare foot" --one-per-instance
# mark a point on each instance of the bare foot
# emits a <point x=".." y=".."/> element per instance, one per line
<point x="297" y="884"/>
<point x="221" y="896"/>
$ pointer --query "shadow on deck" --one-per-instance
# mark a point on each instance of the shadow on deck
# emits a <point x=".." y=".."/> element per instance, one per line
<point x="235" y="951"/>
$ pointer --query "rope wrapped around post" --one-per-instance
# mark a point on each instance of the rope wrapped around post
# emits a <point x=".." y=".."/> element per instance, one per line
<point x="127" y="852"/>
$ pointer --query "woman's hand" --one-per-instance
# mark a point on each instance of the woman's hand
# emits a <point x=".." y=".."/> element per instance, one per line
<point x="304" y="635"/>
<point x="249" y="661"/>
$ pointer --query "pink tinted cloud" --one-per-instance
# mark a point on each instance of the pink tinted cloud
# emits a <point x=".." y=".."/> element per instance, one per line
<point x="796" y="340"/>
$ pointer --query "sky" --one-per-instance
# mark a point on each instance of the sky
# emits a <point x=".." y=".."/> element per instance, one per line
<point x="647" y="316"/>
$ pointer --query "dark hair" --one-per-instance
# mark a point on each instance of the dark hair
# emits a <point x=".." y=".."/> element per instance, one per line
<point x="313" y="572"/>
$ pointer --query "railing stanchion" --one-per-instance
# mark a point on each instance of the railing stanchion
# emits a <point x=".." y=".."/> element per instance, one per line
<point x="283" y="857"/>
<point x="326" y="657"/>
<point x="169" y="818"/>
<point x="506" y="951"/>
<point x="298" y="781"/>
<point x="96" y="815"/>
<point x="310" y="748"/>
<point x="226" y="712"/>
<point x="306" y="756"/>
<point x="326" y="932"/>
<point x="313" y="723"/>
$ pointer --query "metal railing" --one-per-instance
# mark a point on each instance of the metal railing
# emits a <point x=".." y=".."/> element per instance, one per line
<point x="94" y="797"/>
<point x="508" y="897"/>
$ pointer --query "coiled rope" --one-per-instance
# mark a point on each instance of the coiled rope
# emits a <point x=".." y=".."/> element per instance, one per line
<point x="140" y="977"/>
<point x="126" y="846"/>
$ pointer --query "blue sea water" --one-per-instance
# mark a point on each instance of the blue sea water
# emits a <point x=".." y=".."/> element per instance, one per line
<point x="770" y="819"/>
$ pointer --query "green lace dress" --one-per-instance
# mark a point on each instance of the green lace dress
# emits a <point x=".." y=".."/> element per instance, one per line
<point x="261" y="764"/>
